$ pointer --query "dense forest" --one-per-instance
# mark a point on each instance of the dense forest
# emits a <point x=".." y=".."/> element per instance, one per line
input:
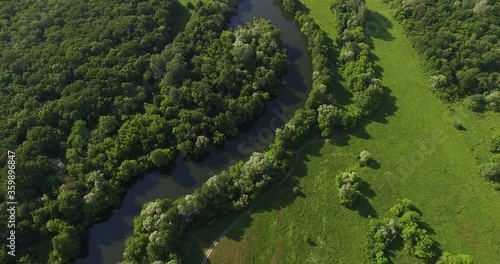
<point x="71" y="73"/>
<point x="459" y="43"/>
<point x="97" y="93"/>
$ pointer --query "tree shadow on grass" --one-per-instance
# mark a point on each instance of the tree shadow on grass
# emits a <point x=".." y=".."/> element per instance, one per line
<point x="340" y="139"/>
<point x="366" y="190"/>
<point x="300" y="6"/>
<point x="386" y="109"/>
<point x="362" y="204"/>
<point x="364" y="208"/>
<point x="377" y="26"/>
<point x="373" y="164"/>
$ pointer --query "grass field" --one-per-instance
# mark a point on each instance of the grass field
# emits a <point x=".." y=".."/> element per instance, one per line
<point x="419" y="155"/>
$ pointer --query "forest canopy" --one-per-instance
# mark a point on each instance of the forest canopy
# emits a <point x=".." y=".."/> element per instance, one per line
<point x="96" y="93"/>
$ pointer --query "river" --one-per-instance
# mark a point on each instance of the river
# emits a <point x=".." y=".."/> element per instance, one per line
<point x="106" y="240"/>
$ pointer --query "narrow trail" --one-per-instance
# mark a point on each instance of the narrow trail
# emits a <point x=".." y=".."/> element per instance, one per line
<point x="249" y="209"/>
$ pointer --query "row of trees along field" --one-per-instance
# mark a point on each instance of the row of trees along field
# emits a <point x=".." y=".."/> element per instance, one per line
<point x="459" y="43"/>
<point x="355" y="66"/>
<point x="93" y="99"/>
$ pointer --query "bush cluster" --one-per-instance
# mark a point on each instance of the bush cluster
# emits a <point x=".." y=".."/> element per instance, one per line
<point x="364" y="157"/>
<point x="347" y="184"/>
<point x="380" y="234"/>
<point x="407" y="226"/>
<point x="357" y="70"/>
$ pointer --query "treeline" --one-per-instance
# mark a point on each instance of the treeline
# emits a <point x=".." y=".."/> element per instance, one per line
<point x="355" y="65"/>
<point x="93" y="99"/>
<point x="459" y="43"/>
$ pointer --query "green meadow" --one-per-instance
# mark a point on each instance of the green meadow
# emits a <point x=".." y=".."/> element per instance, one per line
<point x="418" y="155"/>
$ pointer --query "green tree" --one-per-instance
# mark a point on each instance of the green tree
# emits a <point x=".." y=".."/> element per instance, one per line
<point x="347" y="184"/>
<point x="291" y="6"/>
<point x="364" y="157"/>
<point x="161" y="157"/>
<point x="71" y="204"/>
<point x="448" y="258"/>
<point x="495" y="144"/>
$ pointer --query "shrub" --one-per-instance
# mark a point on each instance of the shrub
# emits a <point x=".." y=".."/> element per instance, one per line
<point x="493" y="101"/>
<point x="490" y="171"/>
<point x="476" y="102"/>
<point x="364" y="157"/>
<point x="381" y="233"/>
<point x="401" y="207"/>
<point x="347" y="185"/>
<point x="290" y="6"/>
<point x="495" y="144"/>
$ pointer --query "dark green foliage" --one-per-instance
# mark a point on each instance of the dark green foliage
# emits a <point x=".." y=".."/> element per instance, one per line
<point x="417" y="241"/>
<point x="364" y="157"/>
<point x="92" y="98"/>
<point x="239" y="185"/>
<point x="229" y="78"/>
<point x="490" y="171"/>
<point x="458" y="42"/>
<point x="355" y="61"/>
<point x="190" y="5"/>
<point x="321" y="52"/>
<point x="64" y="243"/>
<point x="72" y="73"/>
<point x="475" y="102"/>
<point x="495" y="144"/>
<point x="230" y="190"/>
<point x="291" y="6"/>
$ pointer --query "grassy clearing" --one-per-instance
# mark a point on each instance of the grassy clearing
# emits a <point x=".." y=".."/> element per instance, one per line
<point x="320" y="11"/>
<point x="419" y="155"/>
